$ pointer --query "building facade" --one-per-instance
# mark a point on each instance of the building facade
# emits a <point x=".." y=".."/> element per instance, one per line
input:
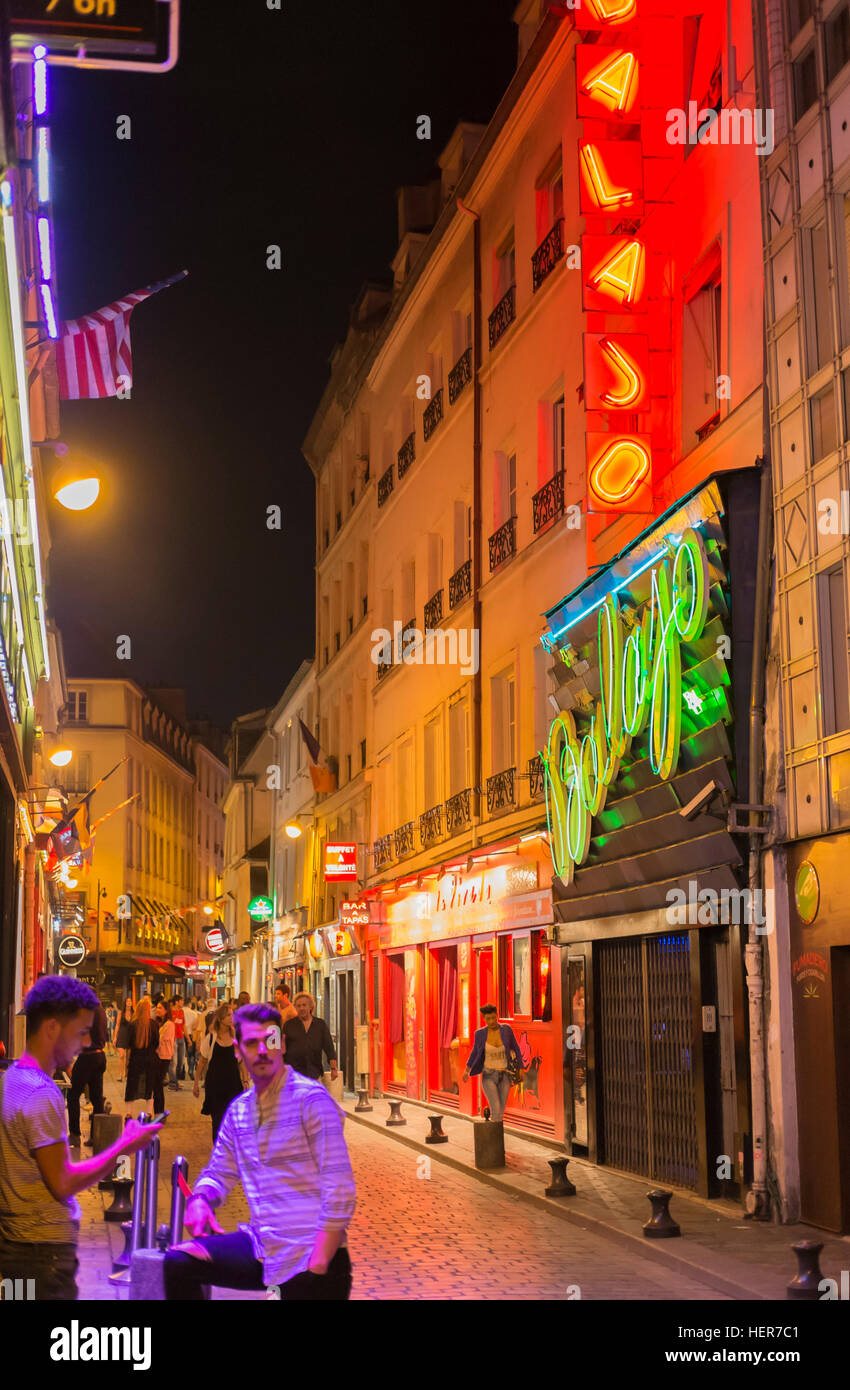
<point x="292" y="864"/>
<point x="247" y="822"/>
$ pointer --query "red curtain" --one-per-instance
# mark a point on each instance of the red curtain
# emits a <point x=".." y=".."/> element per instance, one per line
<point x="448" y="995"/>
<point x="396" y="972"/>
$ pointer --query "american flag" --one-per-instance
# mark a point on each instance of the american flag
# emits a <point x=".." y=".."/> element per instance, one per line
<point x="93" y="355"/>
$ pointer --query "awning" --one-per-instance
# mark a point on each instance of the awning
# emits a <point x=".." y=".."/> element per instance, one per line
<point x="160" y="967"/>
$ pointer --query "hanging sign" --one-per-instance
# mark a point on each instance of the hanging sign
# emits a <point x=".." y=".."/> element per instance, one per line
<point x="215" y="939"/>
<point x="340" y="862"/>
<point x="141" y="34"/>
<point x="354" y="914"/>
<point x="260" y="909"/>
<point x="72" y="950"/>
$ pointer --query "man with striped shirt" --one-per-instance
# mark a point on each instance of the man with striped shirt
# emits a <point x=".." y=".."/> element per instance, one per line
<point x="283" y="1141"/>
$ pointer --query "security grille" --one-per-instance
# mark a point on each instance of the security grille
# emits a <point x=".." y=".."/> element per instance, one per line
<point x="646" y="1046"/>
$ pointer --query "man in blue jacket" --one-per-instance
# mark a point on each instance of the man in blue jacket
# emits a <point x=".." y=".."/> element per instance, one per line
<point x="494" y="1052"/>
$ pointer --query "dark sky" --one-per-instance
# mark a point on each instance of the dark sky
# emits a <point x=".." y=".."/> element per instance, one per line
<point x="292" y="127"/>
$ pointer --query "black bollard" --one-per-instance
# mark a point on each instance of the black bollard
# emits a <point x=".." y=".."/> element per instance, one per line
<point x="122" y="1200"/>
<point x="163" y="1237"/>
<point x="560" y="1185"/>
<point x="805" y="1284"/>
<point x="362" y="1103"/>
<point x="395" y="1114"/>
<point x="122" y="1261"/>
<point x="661" y="1223"/>
<point x="436" y="1136"/>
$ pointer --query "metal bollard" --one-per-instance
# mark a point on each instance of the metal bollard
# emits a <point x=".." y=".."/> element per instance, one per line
<point x="395" y="1114"/>
<point x="560" y="1185"/>
<point x="122" y="1200"/>
<point x="805" y="1284"/>
<point x="362" y="1102"/>
<point x="437" y="1135"/>
<point x="179" y="1169"/>
<point x="661" y="1223"/>
<point x="122" y="1261"/>
<point x="139" y="1202"/>
<point x="152" y="1156"/>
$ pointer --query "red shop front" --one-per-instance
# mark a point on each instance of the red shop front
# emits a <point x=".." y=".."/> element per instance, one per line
<point x="438" y="949"/>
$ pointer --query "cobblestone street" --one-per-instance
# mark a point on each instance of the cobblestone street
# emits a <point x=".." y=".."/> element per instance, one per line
<point x="421" y="1230"/>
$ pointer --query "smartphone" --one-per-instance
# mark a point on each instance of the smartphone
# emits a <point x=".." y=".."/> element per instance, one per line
<point x="159" y="1119"/>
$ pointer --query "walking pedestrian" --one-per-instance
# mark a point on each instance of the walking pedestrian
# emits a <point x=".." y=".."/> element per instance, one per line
<point x="284" y="1004"/>
<point x="307" y="1039"/>
<point x="165" y="1052"/>
<point x="39" y="1214"/>
<point x="143" y="1064"/>
<point x="243" y="999"/>
<point x="111" y="1025"/>
<point x="177" y="1070"/>
<point x="190" y="1024"/>
<point x="496" y="1058"/>
<point x="218" y="1068"/>
<point x="89" y="1070"/>
<point x="124" y="1036"/>
<point x="283" y="1141"/>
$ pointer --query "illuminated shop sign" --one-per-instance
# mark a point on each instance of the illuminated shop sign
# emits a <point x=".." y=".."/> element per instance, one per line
<point x="260" y="909"/>
<point x="354" y="914"/>
<point x="340" y="862"/>
<point x="215" y="940"/>
<point x="139" y="34"/>
<point x="641" y="691"/>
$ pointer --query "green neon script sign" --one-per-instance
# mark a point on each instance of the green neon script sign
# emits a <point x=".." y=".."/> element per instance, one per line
<point x="640" y="673"/>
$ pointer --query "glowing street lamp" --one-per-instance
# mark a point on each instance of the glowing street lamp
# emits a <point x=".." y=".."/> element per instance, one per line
<point x="293" y="830"/>
<point x="78" y="494"/>
<point x="61" y="757"/>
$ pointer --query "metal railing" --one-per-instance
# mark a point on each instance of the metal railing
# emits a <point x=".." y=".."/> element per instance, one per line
<point x="383" y="851"/>
<point x="460" y="375"/>
<point x="547" y="255"/>
<point x="458" y="811"/>
<point x="406" y="454"/>
<point x="386" y="483"/>
<point x="502" y="316"/>
<point x="500" y="790"/>
<point x="460" y="584"/>
<point x="431" y="826"/>
<point x="549" y="501"/>
<point x="434" y="609"/>
<point x="536" y="777"/>
<point x="433" y="415"/>
<point x="403" y="840"/>
<point x="503" y="543"/>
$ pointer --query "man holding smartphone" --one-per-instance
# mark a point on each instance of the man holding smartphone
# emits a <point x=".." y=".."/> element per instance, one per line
<point x="283" y="1141"/>
<point x="39" y="1213"/>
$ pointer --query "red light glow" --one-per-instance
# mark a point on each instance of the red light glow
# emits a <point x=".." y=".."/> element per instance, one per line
<point x="632" y="384"/>
<point x="620" y="275"/>
<point x="612" y="11"/>
<point x="618" y="472"/>
<point x="612" y="83"/>
<point x="599" y="181"/>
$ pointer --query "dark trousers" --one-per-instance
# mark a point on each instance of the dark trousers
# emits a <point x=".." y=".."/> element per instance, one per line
<point x="234" y="1266"/>
<point x="52" y="1268"/>
<point x="162" y="1066"/>
<point x="191" y="1058"/>
<point x="88" y="1071"/>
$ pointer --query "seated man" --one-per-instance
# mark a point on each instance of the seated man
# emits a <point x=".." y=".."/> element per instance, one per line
<point x="283" y="1141"/>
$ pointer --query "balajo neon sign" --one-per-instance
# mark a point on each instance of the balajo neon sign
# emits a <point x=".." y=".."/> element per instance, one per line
<point x="640" y="678"/>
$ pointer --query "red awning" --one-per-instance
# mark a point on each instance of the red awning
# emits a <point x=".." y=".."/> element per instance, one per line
<point x="160" y="967"/>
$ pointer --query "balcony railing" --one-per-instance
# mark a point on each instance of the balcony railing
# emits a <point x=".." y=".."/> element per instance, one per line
<point x="403" y="840"/>
<point x="536" y="777"/>
<point x="458" y="813"/>
<point x="386" y="483"/>
<point x="548" y="502"/>
<point x="433" y="414"/>
<point x="547" y="255"/>
<point x="500" y="791"/>
<point x="708" y="428"/>
<point x="431" y="826"/>
<point x="383" y="851"/>
<point x="460" y="584"/>
<point x="407" y="454"/>
<point x="434" y="610"/>
<point x="460" y="375"/>
<point x="502" y="316"/>
<point x="503" y="543"/>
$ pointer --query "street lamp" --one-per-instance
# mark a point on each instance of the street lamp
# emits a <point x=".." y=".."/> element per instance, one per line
<point x="78" y="494"/>
<point x="293" y="830"/>
<point x="61" y="757"/>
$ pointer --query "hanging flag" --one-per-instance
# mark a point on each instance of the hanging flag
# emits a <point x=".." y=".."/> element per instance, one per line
<point x="70" y="838"/>
<point x="93" y="357"/>
<point x="322" y="774"/>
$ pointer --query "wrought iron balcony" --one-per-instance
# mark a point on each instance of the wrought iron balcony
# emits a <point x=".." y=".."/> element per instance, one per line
<point x="460" y="375"/>
<point x="548" y="502"/>
<point x="403" y="839"/>
<point x="383" y="669"/>
<point x="434" y="610"/>
<point x="386" y="483"/>
<point x="383" y="851"/>
<point x="407" y="454"/>
<point x="500" y="791"/>
<point x="503" y="543"/>
<point x="502" y="316"/>
<point x="458" y="813"/>
<point x="431" y="826"/>
<point x="460" y="584"/>
<point x="433" y="414"/>
<point x="547" y="255"/>
<point x="536" y="777"/>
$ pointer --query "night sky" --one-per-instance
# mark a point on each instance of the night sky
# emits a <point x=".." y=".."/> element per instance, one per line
<point x="293" y="127"/>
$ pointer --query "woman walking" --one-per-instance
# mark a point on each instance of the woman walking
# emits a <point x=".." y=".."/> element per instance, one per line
<point x="143" y="1065"/>
<point x="164" y="1052"/>
<point x="218" y="1067"/>
<point x="124" y="1035"/>
<point x="496" y="1058"/>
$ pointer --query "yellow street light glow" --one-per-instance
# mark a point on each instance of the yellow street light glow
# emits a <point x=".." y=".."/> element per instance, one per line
<point x="61" y="757"/>
<point x="79" y="495"/>
<point x="293" y="830"/>
<point x="208" y="911"/>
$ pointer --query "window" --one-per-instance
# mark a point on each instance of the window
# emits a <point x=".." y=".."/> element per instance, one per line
<point x="819" y="346"/>
<point x="549" y="197"/>
<point x="405" y="785"/>
<point x="78" y="706"/>
<point x="805" y="74"/>
<point x="433" y="762"/>
<point x="504" y="269"/>
<point x="837" y="42"/>
<point x="503" y="714"/>
<point x="832" y="627"/>
<point x="458" y="747"/>
<point x="799" y="13"/>
<point x="521" y="977"/>
<point x="129" y="844"/>
<point x="524" y="980"/>
<point x="701" y="324"/>
<point x="824" y="423"/>
<point x="558" y="436"/>
<point x="504" y="489"/>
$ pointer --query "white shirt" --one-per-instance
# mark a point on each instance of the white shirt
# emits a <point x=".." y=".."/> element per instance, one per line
<point x="190" y="1018"/>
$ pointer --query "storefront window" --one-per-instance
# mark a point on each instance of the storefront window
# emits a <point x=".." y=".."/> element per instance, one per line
<point x="524" y="979"/>
<point x="521" y="977"/>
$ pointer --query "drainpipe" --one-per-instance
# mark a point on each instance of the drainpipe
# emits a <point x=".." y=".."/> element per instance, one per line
<point x="758" y="1198"/>
<point x="476" y="514"/>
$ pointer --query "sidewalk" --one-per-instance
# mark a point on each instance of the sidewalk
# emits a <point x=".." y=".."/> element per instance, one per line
<point x="740" y="1258"/>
